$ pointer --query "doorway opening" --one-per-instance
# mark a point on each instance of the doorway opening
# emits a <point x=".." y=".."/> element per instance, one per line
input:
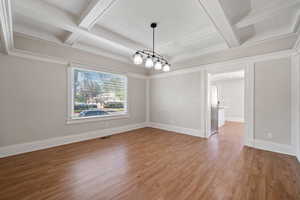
<point x="229" y="102"/>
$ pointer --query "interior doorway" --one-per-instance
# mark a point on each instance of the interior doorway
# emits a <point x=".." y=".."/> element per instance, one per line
<point x="230" y="100"/>
<point x="227" y="100"/>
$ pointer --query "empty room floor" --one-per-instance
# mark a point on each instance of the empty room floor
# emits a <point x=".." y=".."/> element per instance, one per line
<point x="152" y="164"/>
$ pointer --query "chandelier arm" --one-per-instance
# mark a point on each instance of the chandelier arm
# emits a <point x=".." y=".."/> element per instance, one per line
<point x="153" y="42"/>
<point x="145" y="55"/>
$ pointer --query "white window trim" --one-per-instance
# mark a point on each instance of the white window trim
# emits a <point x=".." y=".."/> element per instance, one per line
<point x="70" y="99"/>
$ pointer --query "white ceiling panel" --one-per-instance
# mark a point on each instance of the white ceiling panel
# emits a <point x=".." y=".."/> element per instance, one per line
<point x="281" y="24"/>
<point x="75" y="7"/>
<point x="175" y="18"/>
<point x="266" y="4"/>
<point x="186" y="29"/>
<point x="43" y="31"/>
<point x="236" y="9"/>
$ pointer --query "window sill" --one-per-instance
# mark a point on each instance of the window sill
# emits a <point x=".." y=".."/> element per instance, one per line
<point x="96" y="119"/>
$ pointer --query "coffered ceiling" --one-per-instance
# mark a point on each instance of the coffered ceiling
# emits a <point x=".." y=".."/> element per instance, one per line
<point x="117" y="28"/>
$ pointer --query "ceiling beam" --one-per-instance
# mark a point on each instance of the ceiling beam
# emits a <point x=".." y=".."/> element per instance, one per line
<point x="257" y="16"/>
<point x="6" y="31"/>
<point x="215" y="12"/>
<point x="90" y="17"/>
<point x="57" y="18"/>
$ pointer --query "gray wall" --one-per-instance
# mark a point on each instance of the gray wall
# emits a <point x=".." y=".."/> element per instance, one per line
<point x="34" y="102"/>
<point x="176" y="100"/>
<point x="273" y="100"/>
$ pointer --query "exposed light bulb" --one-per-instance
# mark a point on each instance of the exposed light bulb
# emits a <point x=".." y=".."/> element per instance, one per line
<point x="158" y="65"/>
<point x="149" y="62"/>
<point x="166" y="68"/>
<point x="137" y="59"/>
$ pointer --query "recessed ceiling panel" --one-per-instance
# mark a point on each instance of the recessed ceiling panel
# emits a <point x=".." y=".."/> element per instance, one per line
<point x="43" y="31"/>
<point x="191" y="44"/>
<point x="266" y="4"/>
<point x="236" y="9"/>
<point x="278" y="25"/>
<point x="175" y="18"/>
<point x="75" y="7"/>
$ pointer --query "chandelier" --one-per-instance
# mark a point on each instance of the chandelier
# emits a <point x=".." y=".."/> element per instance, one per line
<point x="150" y="57"/>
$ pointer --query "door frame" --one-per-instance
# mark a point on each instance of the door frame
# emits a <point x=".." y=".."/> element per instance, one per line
<point x="249" y="98"/>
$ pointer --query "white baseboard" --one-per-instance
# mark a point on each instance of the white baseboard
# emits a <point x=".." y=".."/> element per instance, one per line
<point x="234" y="119"/>
<point x="274" y="147"/>
<point x="177" y="129"/>
<point x="44" y="144"/>
<point x="52" y="142"/>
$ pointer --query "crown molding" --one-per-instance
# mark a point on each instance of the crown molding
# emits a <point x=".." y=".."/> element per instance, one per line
<point x="253" y="59"/>
<point x="252" y="43"/>
<point x="39" y="37"/>
<point x="37" y="56"/>
<point x="105" y="69"/>
<point x="267" y="38"/>
<point x="50" y="59"/>
<point x="233" y="62"/>
<point x="139" y="76"/>
<point x="6" y="28"/>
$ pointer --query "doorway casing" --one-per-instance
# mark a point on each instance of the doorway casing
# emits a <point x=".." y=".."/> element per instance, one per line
<point x="248" y="69"/>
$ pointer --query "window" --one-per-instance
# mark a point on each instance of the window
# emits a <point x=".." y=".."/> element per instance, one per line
<point x="97" y="94"/>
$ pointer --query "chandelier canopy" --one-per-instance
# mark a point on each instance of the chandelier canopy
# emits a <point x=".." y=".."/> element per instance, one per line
<point x="151" y="58"/>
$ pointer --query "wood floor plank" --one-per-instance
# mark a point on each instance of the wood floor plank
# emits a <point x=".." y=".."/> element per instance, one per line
<point x="152" y="164"/>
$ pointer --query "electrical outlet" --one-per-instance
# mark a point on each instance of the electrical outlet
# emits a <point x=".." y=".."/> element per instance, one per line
<point x="269" y="135"/>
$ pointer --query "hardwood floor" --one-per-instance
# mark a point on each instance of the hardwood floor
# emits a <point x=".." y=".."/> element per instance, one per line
<point x="151" y="164"/>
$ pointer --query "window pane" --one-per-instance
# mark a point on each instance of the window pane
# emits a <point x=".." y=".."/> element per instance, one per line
<point x="98" y="94"/>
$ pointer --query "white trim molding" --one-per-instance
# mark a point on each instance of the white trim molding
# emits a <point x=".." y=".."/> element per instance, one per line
<point x="229" y="63"/>
<point x="6" y="27"/>
<point x="90" y="16"/>
<point x="57" y="18"/>
<point x="219" y="19"/>
<point x="58" y="141"/>
<point x="96" y="119"/>
<point x="295" y="103"/>
<point x="50" y="59"/>
<point x="274" y="147"/>
<point x="37" y="56"/>
<point x="177" y="129"/>
<point x="235" y="119"/>
<point x="248" y="69"/>
<point x="147" y="100"/>
<point x="70" y="86"/>
<point x="249" y="112"/>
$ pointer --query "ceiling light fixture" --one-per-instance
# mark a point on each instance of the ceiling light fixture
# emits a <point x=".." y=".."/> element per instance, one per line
<point x="150" y="57"/>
